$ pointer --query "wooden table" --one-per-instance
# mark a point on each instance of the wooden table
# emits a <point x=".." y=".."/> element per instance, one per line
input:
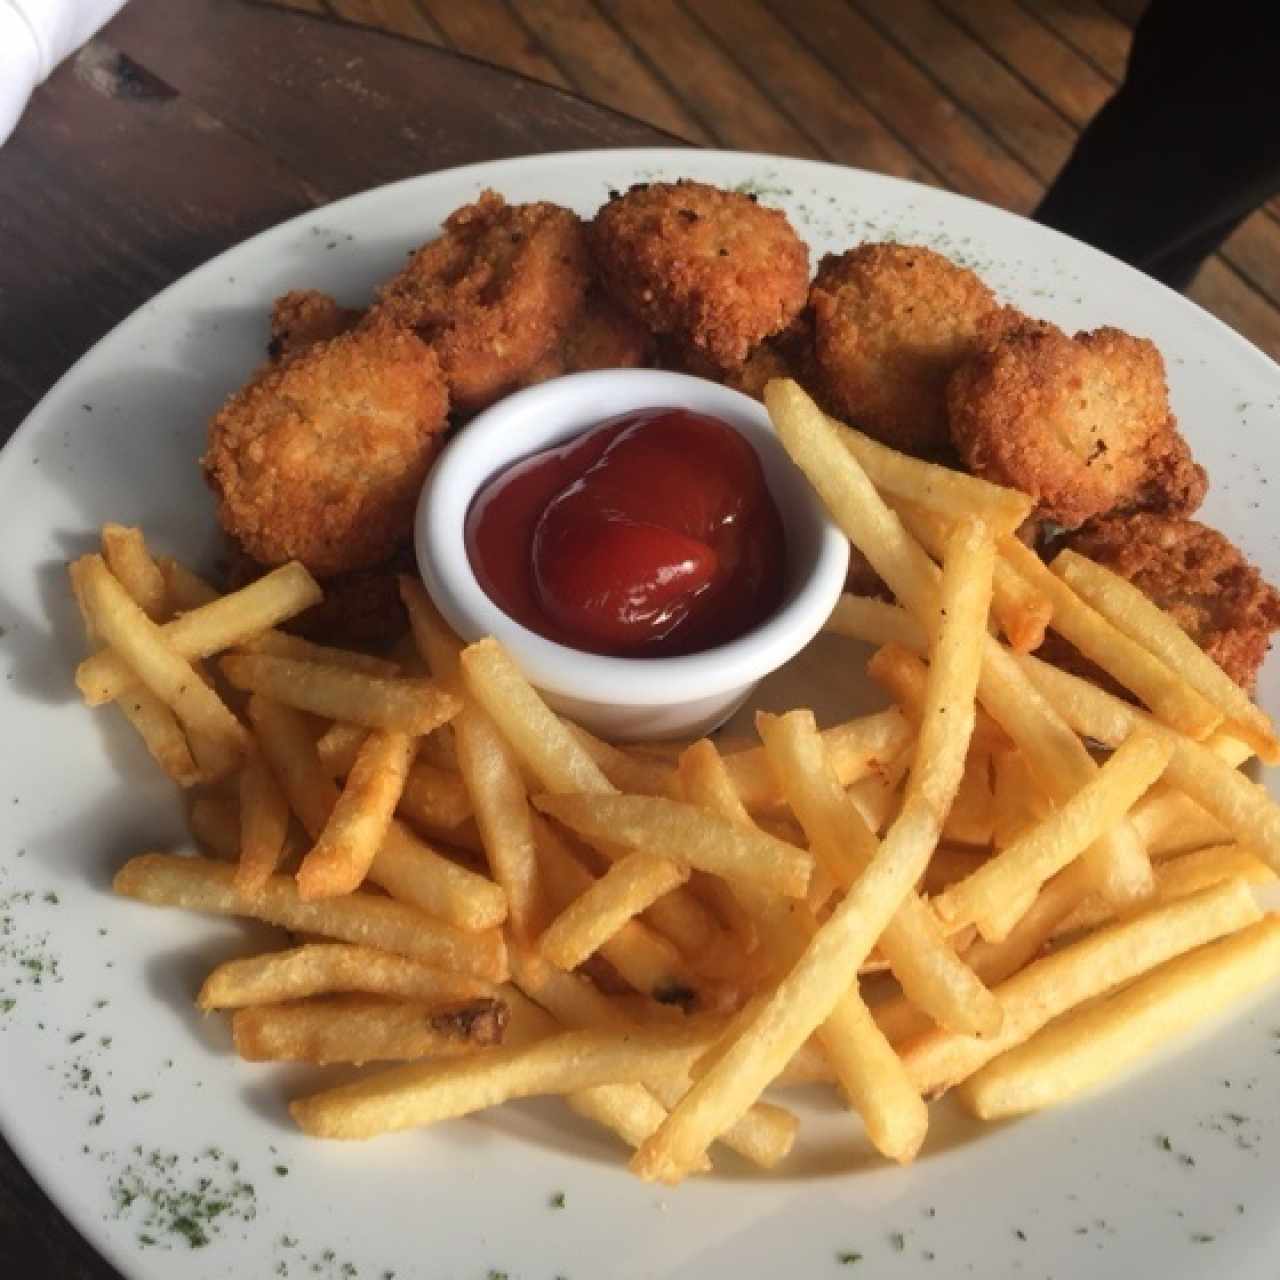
<point x="185" y="127"/>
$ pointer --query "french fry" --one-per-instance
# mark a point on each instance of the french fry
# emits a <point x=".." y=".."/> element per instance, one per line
<point x="1195" y="769"/>
<point x="1089" y="1046"/>
<point x="434" y="639"/>
<point x="264" y="823"/>
<point x="971" y="818"/>
<point x="214" y="823"/>
<point x="1172" y="700"/>
<point x="627" y="773"/>
<point x="125" y="551"/>
<point x="405" y="866"/>
<point x="184" y="589"/>
<point x="534" y="731"/>
<point x="1169" y="823"/>
<point x="855" y="1052"/>
<point x="492" y="778"/>
<point x="857" y="748"/>
<point x="801" y="1002"/>
<point x="424" y="1094"/>
<point x="1022" y="612"/>
<point x="140" y="644"/>
<point x="1176" y="878"/>
<point x="359" y="1028"/>
<point x="1127" y="609"/>
<point x="224" y="622"/>
<point x="878" y="796"/>
<point x="198" y="884"/>
<point x="903" y="675"/>
<point x="331" y="968"/>
<point x="984" y="897"/>
<point x="876" y="622"/>
<point x="360" y="818"/>
<point x="280" y="644"/>
<point x="156" y="725"/>
<point x="680" y="831"/>
<point x="1058" y="982"/>
<point x="1018" y="802"/>
<point x="716" y="895"/>
<point x="625" y="890"/>
<point x="943" y="490"/>
<point x="402" y="704"/>
<point x="912" y="943"/>
<point x="338" y="747"/>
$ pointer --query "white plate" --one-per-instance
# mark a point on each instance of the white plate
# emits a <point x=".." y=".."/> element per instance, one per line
<point x="1090" y="1189"/>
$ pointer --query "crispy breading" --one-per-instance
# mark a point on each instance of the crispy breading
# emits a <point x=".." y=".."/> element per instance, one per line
<point x="891" y="324"/>
<point x="320" y="458"/>
<point x="302" y="317"/>
<point x="1198" y="576"/>
<point x="1081" y="424"/>
<point x="493" y="294"/>
<point x="788" y="354"/>
<point x="713" y="269"/>
<point x="600" y="336"/>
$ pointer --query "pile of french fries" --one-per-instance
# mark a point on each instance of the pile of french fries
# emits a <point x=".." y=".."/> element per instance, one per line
<point x="1009" y="884"/>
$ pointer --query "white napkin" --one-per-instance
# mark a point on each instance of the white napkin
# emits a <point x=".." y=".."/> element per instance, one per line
<point x="35" y="35"/>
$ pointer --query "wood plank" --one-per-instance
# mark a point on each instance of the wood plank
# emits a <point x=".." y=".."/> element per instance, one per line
<point x="1033" y="131"/>
<point x="1090" y="29"/>
<point x="842" y="127"/>
<point x="900" y="94"/>
<point x="1045" y="62"/>
<point x="399" y="17"/>
<point x="487" y="29"/>
<point x="1128" y="11"/>
<point x="728" y="105"/>
<point x="299" y="6"/>
<point x="412" y="107"/>
<point x="1254" y="250"/>
<point x="604" y="67"/>
<point x="1233" y="300"/>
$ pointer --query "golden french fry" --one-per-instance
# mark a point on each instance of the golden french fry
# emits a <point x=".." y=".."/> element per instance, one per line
<point x="156" y="724"/>
<point x="360" y="1028"/>
<point x="1195" y="769"/>
<point x="717" y="896"/>
<point x="1022" y="612"/>
<point x="126" y="554"/>
<point x="687" y="834"/>
<point x="357" y="825"/>
<point x="625" y="890"/>
<point x="1066" y="978"/>
<point x="943" y="490"/>
<point x="331" y="968"/>
<point x="903" y="675"/>
<point x="405" y="866"/>
<point x="1169" y="823"/>
<point x="876" y="622"/>
<point x="857" y="748"/>
<point x="402" y="704"/>
<point x="1091" y="1045"/>
<point x="198" y="884"/>
<point x="914" y="946"/>
<point x="1176" y="878"/>
<point x="878" y="796"/>
<point x="208" y="630"/>
<point x="628" y="774"/>
<point x="434" y="639"/>
<point x="264" y="823"/>
<point x="142" y="646"/>
<point x="801" y="1002"/>
<point x="424" y="1094"/>
<point x="971" y="818"/>
<point x="492" y="778"/>
<point x="1172" y="700"/>
<point x="1126" y="608"/>
<point x="534" y="731"/>
<point x="985" y="896"/>
<point x="1018" y="802"/>
<point x="184" y="589"/>
<point x="280" y="644"/>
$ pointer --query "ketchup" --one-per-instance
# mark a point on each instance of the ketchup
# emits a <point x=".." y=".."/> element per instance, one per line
<point x="652" y="534"/>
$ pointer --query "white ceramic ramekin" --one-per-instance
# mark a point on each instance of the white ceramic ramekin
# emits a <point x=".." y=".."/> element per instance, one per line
<point x="626" y="698"/>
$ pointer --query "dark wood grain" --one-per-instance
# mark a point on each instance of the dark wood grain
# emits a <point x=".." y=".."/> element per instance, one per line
<point x="185" y="127"/>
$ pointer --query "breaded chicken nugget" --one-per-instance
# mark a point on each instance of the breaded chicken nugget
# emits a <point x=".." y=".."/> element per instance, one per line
<point x="1198" y="576"/>
<point x="891" y="324"/>
<point x="601" y="336"/>
<point x="320" y="458"/>
<point x="305" y="316"/>
<point x="788" y="354"/>
<point x="494" y="294"/>
<point x="713" y="269"/>
<point x="1081" y="424"/>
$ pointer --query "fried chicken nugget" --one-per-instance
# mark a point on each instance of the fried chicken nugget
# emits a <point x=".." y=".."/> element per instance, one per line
<point x="891" y="324"/>
<point x="320" y="458"/>
<point x="600" y="336"/>
<point x="494" y="294"/>
<point x="711" y="268"/>
<point x="1081" y="424"/>
<point x="1198" y="576"/>
<point x="303" y="317"/>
